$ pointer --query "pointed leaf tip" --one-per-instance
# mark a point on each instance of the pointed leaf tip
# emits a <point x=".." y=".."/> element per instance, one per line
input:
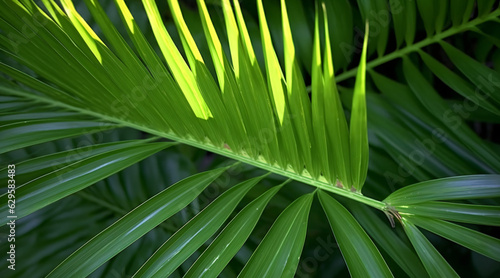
<point x="359" y="126"/>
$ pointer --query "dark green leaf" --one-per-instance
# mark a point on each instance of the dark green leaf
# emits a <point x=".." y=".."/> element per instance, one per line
<point x="229" y="241"/>
<point x="435" y="264"/>
<point x="465" y="213"/>
<point x="74" y="177"/>
<point x="474" y="240"/>
<point x="454" y="188"/>
<point x="386" y="238"/>
<point x="31" y="132"/>
<point x="279" y="252"/>
<point x="134" y="225"/>
<point x="197" y="231"/>
<point x="362" y="257"/>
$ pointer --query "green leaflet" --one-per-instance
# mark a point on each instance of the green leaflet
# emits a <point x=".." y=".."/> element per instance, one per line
<point x="441" y="14"/>
<point x="273" y="69"/>
<point x="134" y="225"/>
<point x="179" y="105"/>
<point x="218" y="130"/>
<point x="433" y="14"/>
<point x="336" y="127"/>
<point x="121" y="48"/>
<point x="74" y="177"/>
<point x="88" y="35"/>
<point x="342" y="21"/>
<point x="227" y="82"/>
<point x="474" y="240"/>
<point x="427" y="9"/>
<point x="36" y="167"/>
<point x="252" y="85"/>
<point x="31" y="132"/>
<point x="358" y="128"/>
<point x="486" y="79"/>
<point x="404" y="16"/>
<point x="279" y="252"/>
<point x="420" y="124"/>
<point x="320" y="147"/>
<point x="32" y="82"/>
<point x="229" y="241"/>
<point x="232" y="81"/>
<point x="465" y="213"/>
<point x="401" y="95"/>
<point x="403" y="142"/>
<point x="433" y="262"/>
<point x="197" y="231"/>
<point x="485" y="6"/>
<point x="41" y="115"/>
<point x="303" y="37"/>
<point x="454" y="188"/>
<point x="435" y="104"/>
<point x="457" y="83"/>
<point x="178" y="66"/>
<point x="277" y="92"/>
<point x="460" y="11"/>
<point x="376" y="13"/>
<point x="361" y="256"/>
<point x="400" y="252"/>
<point x="297" y="96"/>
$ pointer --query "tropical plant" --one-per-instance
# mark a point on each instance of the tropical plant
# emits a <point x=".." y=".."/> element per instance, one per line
<point x="120" y="119"/>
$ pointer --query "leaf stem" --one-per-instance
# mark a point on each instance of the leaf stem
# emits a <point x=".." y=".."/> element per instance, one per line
<point x="260" y="163"/>
<point x="421" y="44"/>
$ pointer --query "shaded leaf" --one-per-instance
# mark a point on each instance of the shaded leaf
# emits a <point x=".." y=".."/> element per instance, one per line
<point x="453" y="188"/>
<point x="134" y="225"/>
<point x="385" y="237"/>
<point x="31" y="132"/>
<point x="435" y="264"/>
<point x="474" y="240"/>
<point x="197" y="231"/>
<point x="362" y="257"/>
<point x="229" y="241"/>
<point x="279" y="252"/>
<point x="74" y="177"/>
<point x="465" y="213"/>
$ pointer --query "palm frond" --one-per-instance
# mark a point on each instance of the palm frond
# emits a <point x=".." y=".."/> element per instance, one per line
<point x="263" y="91"/>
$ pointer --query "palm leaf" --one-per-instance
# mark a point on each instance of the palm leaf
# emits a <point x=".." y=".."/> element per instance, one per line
<point x="70" y="71"/>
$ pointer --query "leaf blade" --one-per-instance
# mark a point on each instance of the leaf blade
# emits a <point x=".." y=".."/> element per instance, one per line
<point x="399" y="251"/>
<point x="457" y="212"/>
<point x="276" y="255"/>
<point x="229" y="241"/>
<point x="454" y="188"/>
<point x="362" y="257"/>
<point x="471" y="239"/>
<point x="27" y="133"/>
<point x="198" y="230"/>
<point x="435" y="264"/>
<point x="182" y="74"/>
<point x="74" y="177"/>
<point x="134" y="225"/>
<point x="359" y="125"/>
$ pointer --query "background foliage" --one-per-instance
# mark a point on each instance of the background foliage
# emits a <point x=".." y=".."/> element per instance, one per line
<point x="432" y="90"/>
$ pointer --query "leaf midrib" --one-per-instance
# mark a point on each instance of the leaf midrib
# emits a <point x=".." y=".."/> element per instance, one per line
<point x="419" y="45"/>
<point x="260" y="163"/>
<point x="209" y="147"/>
